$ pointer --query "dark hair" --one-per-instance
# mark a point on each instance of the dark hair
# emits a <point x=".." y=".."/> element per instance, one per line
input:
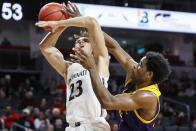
<point x="159" y="66"/>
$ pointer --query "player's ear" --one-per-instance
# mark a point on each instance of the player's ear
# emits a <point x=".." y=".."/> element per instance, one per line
<point x="150" y="75"/>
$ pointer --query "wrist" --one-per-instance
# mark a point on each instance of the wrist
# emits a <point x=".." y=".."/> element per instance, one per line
<point x="92" y="68"/>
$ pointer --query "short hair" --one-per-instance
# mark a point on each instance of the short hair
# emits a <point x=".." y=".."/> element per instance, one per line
<point x="83" y="33"/>
<point x="159" y="66"/>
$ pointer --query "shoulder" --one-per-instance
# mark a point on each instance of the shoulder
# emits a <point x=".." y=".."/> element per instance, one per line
<point x="144" y="97"/>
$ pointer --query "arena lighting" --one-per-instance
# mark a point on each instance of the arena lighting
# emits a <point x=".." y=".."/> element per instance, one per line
<point x="140" y="19"/>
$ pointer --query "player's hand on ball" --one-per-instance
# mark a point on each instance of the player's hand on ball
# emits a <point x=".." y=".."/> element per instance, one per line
<point x="83" y="57"/>
<point x="50" y="26"/>
<point x="71" y="9"/>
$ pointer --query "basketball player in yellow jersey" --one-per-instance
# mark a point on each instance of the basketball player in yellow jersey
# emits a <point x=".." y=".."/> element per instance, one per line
<point x="138" y="104"/>
<point x="83" y="110"/>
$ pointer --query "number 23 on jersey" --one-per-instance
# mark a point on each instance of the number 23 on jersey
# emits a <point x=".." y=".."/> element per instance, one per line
<point x="76" y="87"/>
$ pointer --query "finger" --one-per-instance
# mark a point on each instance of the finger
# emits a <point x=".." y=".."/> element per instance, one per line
<point x="80" y="56"/>
<point x="68" y="9"/>
<point x="41" y="23"/>
<point x="76" y="58"/>
<point x="69" y="3"/>
<point x="64" y="10"/>
<point x="73" y="56"/>
<point x="75" y="61"/>
<point x="63" y="4"/>
<point x="76" y="7"/>
<point x="82" y="51"/>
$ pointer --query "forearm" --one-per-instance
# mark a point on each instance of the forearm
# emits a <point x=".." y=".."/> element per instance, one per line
<point x="111" y="44"/>
<point x="119" y="53"/>
<point x="103" y="95"/>
<point x="50" y="39"/>
<point x="85" y="22"/>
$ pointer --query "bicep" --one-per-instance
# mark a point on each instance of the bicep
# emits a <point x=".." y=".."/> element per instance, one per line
<point x="123" y="102"/>
<point x="56" y="59"/>
<point x="97" y="39"/>
<point x="100" y="51"/>
<point x="127" y="102"/>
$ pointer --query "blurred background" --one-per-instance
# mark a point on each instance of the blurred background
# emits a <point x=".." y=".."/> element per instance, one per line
<point x="32" y="94"/>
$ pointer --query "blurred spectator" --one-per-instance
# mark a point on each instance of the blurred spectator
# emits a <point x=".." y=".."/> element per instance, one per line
<point x="27" y="85"/>
<point x="55" y="115"/>
<point x="35" y="112"/>
<point x="173" y="78"/>
<point x="43" y="105"/>
<point x="62" y="86"/>
<point x="180" y="89"/>
<point x="41" y="122"/>
<point x="58" y="103"/>
<point x="5" y="42"/>
<point x="168" y="110"/>
<point x="194" y="124"/>
<point x="52" y="88"/>
<point x="181" y="120"/>
<point x="190" y="91"/>
<point x="59" y="126"/>
<point x="2" y="94"/>
<point x="28" y="101"/>
<point x="115" y="127"/>
<point x="159" y="120"/>
<point x="25" y="120"/>
<point x="3" y="84"/>
<point x="10" y="117"/>
<point x="34" y="82"/>
<point x="166" y="51"/>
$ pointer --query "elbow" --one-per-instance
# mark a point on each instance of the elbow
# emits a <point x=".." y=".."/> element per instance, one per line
<point x="107" y="104"/>
<point x="41" y="47"/>
<point x="91" y="21"/>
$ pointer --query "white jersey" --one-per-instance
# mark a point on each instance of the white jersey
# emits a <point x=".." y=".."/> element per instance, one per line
<point x="81" y="104"/>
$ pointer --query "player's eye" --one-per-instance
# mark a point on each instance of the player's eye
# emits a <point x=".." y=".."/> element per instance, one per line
<point x="86" y="40"/>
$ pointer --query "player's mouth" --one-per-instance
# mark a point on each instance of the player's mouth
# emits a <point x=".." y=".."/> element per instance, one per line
<point x="81" y="44"/>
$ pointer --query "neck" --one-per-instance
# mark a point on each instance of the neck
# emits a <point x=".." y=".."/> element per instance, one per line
<point x="142" y="85"/>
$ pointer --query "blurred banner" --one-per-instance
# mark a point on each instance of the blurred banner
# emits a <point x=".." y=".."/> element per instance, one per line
<point x="140" y="19"/>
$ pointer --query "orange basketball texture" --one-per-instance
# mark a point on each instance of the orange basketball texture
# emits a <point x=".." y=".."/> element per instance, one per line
<point x="52" y="12"/>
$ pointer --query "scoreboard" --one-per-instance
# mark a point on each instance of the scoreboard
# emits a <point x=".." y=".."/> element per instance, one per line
<point x="11" y="11"/>
<point x="18" y="10"/>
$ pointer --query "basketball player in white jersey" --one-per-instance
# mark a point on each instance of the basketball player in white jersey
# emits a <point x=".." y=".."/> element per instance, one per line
<point x="83" y="110"/>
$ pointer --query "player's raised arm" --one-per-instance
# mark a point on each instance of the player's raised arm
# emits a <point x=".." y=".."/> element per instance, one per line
<point x="112" y="45"/>
<point x="95" y="36"/>
<point x="121" y="55"/>
<point x="52" y="54"/>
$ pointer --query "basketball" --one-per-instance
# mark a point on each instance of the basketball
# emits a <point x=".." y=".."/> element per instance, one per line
<point x="52" y="12"/>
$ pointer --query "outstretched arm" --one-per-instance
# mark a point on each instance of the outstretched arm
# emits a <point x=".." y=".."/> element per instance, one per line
<point x="120" y="54"/>
<point x="141" y="99"/>
<point x="52" y="54"/>
<point x="95" y="36"/>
